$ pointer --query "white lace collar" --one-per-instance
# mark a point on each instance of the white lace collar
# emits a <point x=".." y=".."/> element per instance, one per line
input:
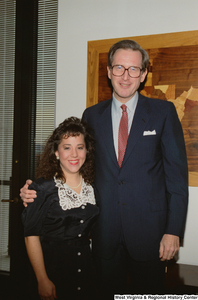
<point x="69" y="199"/>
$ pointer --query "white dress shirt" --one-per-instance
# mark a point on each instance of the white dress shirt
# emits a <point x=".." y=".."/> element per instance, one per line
<point x="116" y="114"/>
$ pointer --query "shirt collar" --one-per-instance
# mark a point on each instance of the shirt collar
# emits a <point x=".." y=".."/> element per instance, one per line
<point x="131" y="104"/>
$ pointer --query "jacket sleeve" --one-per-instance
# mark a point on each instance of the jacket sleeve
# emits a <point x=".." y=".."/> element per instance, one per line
<point x="176" y="172"/>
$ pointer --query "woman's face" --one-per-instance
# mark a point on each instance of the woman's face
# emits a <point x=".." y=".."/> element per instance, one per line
<point x="72" y="154"/>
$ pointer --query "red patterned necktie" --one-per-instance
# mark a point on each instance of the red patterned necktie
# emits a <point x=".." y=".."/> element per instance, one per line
<point x="122" y="135"/>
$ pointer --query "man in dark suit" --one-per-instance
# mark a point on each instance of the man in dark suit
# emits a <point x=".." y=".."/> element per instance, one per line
<point x="142" y="191"/>
<point x="143" y="203"/>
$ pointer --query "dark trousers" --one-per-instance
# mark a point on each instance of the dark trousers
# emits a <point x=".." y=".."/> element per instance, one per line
<point x="123" y="275"/>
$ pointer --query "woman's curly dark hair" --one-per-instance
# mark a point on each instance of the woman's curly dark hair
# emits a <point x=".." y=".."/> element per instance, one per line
<point x="49" y="166"/>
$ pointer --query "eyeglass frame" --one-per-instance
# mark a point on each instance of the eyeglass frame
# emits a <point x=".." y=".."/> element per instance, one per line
<point x="126" y="69"/>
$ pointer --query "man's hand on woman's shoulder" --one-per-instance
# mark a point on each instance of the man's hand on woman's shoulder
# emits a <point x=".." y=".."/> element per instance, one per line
<point x="27" y="195"/>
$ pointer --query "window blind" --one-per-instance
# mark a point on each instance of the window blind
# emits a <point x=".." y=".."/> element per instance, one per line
<point x="7" y="63"/>
<point x="46" y="71"/>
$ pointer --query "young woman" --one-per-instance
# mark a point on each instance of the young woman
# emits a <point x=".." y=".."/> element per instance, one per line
<point x="57" y="224"/>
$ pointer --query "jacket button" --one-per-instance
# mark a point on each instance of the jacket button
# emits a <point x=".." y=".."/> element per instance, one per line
<point x="121" y="182"/>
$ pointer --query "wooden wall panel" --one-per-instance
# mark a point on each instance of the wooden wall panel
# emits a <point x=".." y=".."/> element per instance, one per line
<point x="173" y="76"/>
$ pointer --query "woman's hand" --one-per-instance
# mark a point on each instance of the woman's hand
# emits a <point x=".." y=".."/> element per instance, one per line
<point x="46" y="289"/>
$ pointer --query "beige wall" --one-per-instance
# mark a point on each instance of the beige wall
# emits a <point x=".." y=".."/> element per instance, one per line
<point x="81" y="21"/>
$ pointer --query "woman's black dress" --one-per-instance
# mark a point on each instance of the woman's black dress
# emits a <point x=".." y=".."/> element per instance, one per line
<point x="63" y="220"/>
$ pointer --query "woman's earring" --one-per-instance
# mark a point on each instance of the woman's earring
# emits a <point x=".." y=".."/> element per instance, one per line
<point x="57" y="157"/>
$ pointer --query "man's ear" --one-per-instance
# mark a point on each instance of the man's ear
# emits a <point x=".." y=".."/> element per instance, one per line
<point x="109" y="72"/>
<point x="143" y="75"/>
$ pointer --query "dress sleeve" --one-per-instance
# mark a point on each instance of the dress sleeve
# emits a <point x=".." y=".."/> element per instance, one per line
<point x="34" y="214"/>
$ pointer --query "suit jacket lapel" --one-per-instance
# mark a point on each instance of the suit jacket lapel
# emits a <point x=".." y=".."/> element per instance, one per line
<point x="140" y="120"/>
<point x="105" y="123"/>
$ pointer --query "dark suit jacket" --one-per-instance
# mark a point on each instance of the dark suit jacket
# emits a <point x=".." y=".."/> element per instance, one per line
<point x="148" y="196"/>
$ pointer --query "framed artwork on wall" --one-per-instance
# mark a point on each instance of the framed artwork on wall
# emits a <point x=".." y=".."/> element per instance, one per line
<point x="172" y="76"/>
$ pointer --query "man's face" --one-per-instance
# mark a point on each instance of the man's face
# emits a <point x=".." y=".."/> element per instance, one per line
<point x="124" y="87"/>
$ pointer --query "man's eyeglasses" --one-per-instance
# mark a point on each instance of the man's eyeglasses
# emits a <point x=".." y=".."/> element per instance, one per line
<point x="119" y="70"/>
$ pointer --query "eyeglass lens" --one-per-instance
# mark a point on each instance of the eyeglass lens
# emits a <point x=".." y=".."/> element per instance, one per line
<point x="119" y="70"/>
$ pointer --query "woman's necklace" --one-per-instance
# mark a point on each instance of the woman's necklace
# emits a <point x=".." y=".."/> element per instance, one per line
<point x="75" y="187"/>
